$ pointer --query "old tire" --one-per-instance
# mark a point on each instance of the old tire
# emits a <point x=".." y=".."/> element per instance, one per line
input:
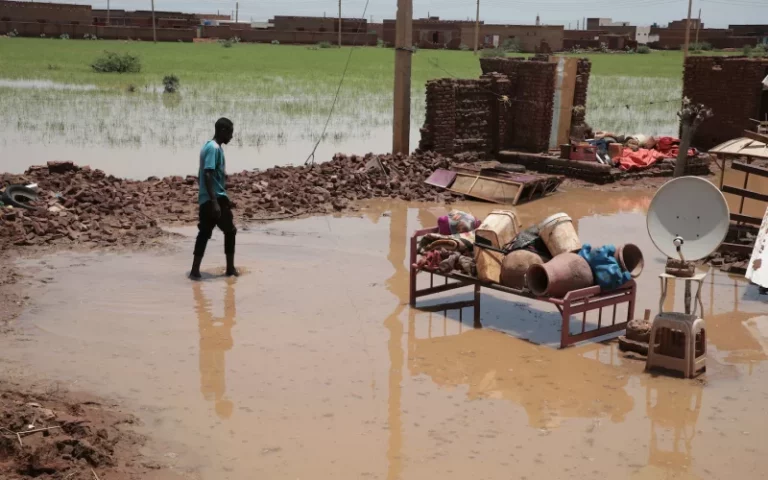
<point x="19" y="196"/>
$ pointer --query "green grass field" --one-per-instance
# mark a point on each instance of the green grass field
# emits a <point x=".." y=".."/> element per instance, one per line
<point x="280" y="94"/>
<point x="69" y="61"/>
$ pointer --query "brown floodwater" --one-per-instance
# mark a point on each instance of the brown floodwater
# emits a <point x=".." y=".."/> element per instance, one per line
<point x="311" y="365"/>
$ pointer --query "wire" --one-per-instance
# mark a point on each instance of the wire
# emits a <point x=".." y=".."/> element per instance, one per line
<point x="311" y="156"/>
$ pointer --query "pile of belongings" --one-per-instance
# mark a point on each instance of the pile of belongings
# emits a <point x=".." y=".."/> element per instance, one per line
<point x="547" y="259"/>
<point x="635" y="152"/>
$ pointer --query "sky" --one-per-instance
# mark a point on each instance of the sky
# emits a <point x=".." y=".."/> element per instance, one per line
<point x="715" y="13"/>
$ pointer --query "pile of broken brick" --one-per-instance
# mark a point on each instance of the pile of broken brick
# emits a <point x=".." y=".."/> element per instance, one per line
<point x="84" y="206"/>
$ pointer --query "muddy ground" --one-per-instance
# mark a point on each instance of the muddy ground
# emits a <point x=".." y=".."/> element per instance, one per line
<point x="311" y="365"/>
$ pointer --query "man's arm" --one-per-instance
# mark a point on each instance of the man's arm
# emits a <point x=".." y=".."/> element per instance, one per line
<point x="212" y="194"/>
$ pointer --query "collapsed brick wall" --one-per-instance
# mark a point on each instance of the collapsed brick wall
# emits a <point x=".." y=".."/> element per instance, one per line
<point x="732" y="88"/>
<point x="579" y="115"/>
<point x="532" y="105"/>
<point x="439" y="128"/>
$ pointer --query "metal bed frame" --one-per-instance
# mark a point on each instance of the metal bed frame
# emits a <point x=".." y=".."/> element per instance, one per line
<point x="574" y="302"/>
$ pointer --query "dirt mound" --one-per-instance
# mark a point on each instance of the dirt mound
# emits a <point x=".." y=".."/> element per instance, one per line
<point x="45" y="436"/>
<point x="78" y="205"/>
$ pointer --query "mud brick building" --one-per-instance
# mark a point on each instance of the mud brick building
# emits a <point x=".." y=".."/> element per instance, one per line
<point x="45" y="13"/>
<point x="516" y="104"/>
<point x="732" y="88"/>
<point x="432" y="32"/>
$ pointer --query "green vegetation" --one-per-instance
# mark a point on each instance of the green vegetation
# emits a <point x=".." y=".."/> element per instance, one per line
<point x="324" y="45"/>
<point x="643" y="49"/>
<point x="111" y="62"/>
<point x="171" y="83"/>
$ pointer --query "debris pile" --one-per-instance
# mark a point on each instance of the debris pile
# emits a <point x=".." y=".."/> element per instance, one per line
<point x="46" y="437"/>
<point x="86" y="206"/>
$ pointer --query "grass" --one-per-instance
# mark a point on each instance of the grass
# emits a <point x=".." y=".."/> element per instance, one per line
<point x="274" y="93"/>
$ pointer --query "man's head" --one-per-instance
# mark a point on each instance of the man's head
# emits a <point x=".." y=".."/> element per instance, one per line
<point x="224" y="130"/>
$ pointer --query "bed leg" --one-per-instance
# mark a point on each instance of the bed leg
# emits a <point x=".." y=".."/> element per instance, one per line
<point x="478" y="324"/>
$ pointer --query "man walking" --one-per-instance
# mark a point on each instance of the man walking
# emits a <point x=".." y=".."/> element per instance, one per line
<point x="215" y="206"/>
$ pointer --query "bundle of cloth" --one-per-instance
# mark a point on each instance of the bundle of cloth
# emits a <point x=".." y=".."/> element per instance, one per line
<point x="451" y="248"/>
<point x="640" y="151"/>
<point x="605" y="268"/>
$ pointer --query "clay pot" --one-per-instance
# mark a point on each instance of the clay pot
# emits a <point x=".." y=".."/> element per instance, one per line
<point x="630" y="259"/>
<point x="515" y="265"/>
<point x="562" y="274"/>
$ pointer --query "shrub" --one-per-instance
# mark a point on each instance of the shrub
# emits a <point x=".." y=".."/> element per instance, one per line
<point x="13" y="33"/>
<point x="512" y="45"/>
<point x="706" y="46"/>
<point x="51" y="66"/>
<point x="464" y="47"/>
<point x="117" y="62"/>
<point x="492" y="52"/>
<point x="171" y="83"/>
<point x="275" y="42"/>
<point x="643" y="49"/>
<point x="131" y="88"/>
<point x="380" y="43"/>
<point x="759" y="50"/>
<point x="604" y="48"/>
<point x="228" y="43"/>
<point x="747" y="50"/>
<point x="64" y="36"/>
<point x="324" y="45"/>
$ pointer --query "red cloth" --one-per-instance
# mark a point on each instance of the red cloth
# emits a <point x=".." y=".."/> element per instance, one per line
<point x="642" y="158"/>
<point x="670" y="147"/>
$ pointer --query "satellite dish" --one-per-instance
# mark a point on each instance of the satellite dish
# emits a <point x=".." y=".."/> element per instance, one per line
<point x="688" y="218"/>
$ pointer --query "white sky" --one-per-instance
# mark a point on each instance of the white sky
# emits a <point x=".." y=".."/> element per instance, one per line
<point x="715" y="13"/>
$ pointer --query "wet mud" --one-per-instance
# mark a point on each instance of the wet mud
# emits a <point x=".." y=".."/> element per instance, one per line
<point x="312" y="364"/>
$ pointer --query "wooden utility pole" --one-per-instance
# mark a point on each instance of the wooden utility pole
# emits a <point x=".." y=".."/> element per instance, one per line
<point x="698" y="27"/>
<point x="401" y="122"/>
<point x="107" y="12"/>
<point x="154" y="27"/>
<point x="688" y="30"/>
<point x="339" y="23"/>
<point x="477" y="26"/>
<point x="237" y="11"/>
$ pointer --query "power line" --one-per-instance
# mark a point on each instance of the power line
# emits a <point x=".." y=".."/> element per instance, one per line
<point x="311" y="156"/>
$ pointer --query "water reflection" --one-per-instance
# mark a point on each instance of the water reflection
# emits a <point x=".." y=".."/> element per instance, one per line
<point x="215" y="341"/>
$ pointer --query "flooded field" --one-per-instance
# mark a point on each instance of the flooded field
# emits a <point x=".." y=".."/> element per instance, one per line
<point x="138" y="131"/>
<point x="312" y="365"/>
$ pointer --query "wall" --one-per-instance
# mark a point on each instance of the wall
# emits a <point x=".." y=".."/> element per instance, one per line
<point x="45" y="12"/>
<point x="530" y="36"/>
<point x="509" y="107"/>
<point x="581" y="34"/>
<point x="643" y="35"/>
<point x="318" y="24"/>
<point x="295" y="37"/>
<point x="34" y="29"/>
<point x="731" y="87"/>
<point x="449" y="33"/>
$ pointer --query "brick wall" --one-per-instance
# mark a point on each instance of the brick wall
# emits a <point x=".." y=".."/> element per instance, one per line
<point x="295" y="37"/>
<point x="45" y="12"/>
<point x="583" y="71"/>
<point x="510" y="106"/>
<point x="731" y="87"/>
<point x="34" y="29"/>
<point x="529" y="36"/>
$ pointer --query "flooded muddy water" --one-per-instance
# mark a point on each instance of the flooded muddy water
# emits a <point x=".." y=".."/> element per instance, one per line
<point x="312" y="364"/>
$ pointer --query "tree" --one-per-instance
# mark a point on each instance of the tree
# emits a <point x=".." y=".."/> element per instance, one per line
<point x="691" y="115"/>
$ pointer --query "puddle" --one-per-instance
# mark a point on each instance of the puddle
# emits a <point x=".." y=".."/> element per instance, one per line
<point x="27" y="84"/>
<point x="313" y="366"/>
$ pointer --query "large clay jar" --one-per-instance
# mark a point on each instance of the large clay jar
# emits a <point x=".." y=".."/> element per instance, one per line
<point x="630" y="258"/>
<point x="564" y="273"/>
<point x="515" y="265"/>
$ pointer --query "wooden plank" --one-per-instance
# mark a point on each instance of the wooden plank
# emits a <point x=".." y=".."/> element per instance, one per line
<point x="753" y="169"/>
<point x="401" y="123"/>
<point x="757" y="270"/>
<point x="742" y="192"/>
<point x="756" y="136"/>
<point x="567" y="95"/>
<point x="737" y="217"/>
<point x="736" y="248"/>
<point x="493" y="190"/>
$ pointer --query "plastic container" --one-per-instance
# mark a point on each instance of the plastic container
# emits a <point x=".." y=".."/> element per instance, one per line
<point x="630" y="258"/>
<point x="515" y="266"/>
<point x="558" y="234"/>
<point x="498" y="229"/>
<point x="562" y="274"/>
